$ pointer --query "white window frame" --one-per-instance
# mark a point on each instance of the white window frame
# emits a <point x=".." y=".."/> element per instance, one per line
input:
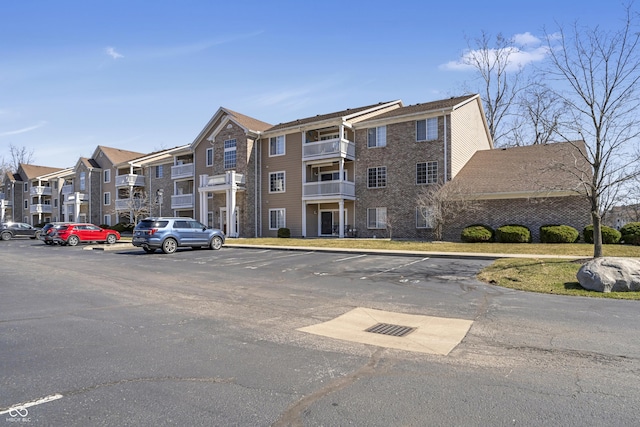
<point x="277" y="146"/>
<point x="380" y="218"/>
<point x="280" y="218"/>
<point x="377" y="137"/>
<point x="272" y="175"/>
<point x="209" y="157"/>
<point x="424" y="217"/>
<point x="431" y="173"/>
<point x="159" y="172"/>
<point x="107" y="219"/>
<point x="430" y="129"/>
<point x="83" y="181"/>
<point x="107" y="176"/>
<point x="26" y="204"/>
<point x="106" y="198"/>
<point x="381" y="176"/>
<point x="231" y="149"/>
<point x="26" y="187"/>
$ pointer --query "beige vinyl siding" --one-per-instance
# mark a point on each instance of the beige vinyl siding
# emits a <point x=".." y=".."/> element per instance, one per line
<point x="468" y="135"/>
<point x="291" y="199"/>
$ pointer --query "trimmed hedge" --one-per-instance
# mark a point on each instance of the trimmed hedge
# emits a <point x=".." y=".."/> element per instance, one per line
<point x="631" y="233"/>
<point x="477" y="233"/>
<point x="122" y="227"/>
<point x="558" y="234"/>
<point x="284" y="233"/>
<point x="513" y="233"/>
<point x="610" y="235"/>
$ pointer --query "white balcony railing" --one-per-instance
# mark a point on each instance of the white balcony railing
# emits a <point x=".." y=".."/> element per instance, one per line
<point x="67" y="189"/>
<point x="326" y="189"/>
<point x="40" y="190"/>
<point x="328" y="149"/>
<point x="4" y="203"/>
<point x="182" y="171"/>
<point x="222" y="180"/>
<point x="182" y="201"/>
<point x="128" y="204"/>
<point x="130" y="180"/>
<point x="37" y="209"/>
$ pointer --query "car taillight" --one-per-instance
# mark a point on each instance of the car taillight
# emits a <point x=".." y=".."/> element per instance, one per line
<point x="152" y="231"/>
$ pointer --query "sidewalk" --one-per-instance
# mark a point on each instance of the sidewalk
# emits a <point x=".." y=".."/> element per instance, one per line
<point x="123" y="246"/>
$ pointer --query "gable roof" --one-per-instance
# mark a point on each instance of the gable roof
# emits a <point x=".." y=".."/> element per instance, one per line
<point x="33" y="171"/>
<point x="117" y="155"/>
<point x="516" y="172"/>
<point x="249" y="124"/>
<point x="425" y="107"/>
<point x="343" y="115"/>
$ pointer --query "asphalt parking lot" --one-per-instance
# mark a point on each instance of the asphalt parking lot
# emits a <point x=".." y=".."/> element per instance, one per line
<point x="218" y="338"/>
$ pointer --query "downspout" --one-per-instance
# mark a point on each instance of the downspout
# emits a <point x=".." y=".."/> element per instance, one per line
<point x="257" y="199"/>
<point x="89" y="187"/>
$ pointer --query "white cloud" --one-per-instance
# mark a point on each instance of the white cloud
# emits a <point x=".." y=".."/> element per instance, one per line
<point x="525" y="50"/>
<point x="111" y="51"/>
<point x="23" y="130"/>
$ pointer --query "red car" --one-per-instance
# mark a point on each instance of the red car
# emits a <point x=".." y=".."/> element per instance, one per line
<point x="72" y="234"/>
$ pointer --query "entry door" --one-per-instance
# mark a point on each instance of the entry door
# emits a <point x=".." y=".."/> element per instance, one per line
<point x="223" y="220"/>
<point x="326" y="222"/>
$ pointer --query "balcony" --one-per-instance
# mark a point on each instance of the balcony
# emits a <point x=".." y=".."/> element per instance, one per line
<point x="130" y="180"/>
<point x="328" y="149"/>
<point x="182" y="201"/>
<point x="40" y="190"/>
<point x="67" y="189"/>
<point x="38" y="209"/>
<point x="76" y="198"/>
<point x="4" y="203"/>
<point x="221" y="182"/>
<point x="322" y="190"/>
<point x="128" y="204"/>
<point x="182" y="171"/>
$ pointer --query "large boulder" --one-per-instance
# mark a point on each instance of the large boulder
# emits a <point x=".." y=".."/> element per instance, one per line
<point x="610" y="274"/>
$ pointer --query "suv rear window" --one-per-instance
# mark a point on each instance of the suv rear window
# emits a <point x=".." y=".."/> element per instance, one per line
<point x="147" y="224"/>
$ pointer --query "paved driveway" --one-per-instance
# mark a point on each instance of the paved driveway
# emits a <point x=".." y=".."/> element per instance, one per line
<point x="213" y="338"/>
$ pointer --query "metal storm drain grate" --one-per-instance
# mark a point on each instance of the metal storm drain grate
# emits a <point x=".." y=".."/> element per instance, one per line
<point x="388" y="329"/>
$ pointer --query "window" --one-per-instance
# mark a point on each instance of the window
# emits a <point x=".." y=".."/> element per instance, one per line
<point x="230" y="154"/>
<point x="107" y="220"/>
<point x="427" y="173"/>
<point x="26" y="204"/>
<point x="276" y="182"/>
<point x="427" y="130"/>
<point x="377" y="218"/>
<point x="159" y="171"/>
<point x="83" y="176"/>
<point x="424" y="217"/>
<point x="377" y="177"/>
<point x="55" y="203"/>
<point x="107" y="199"/>
<point x="276" y="219"/>
<point x="209" y="156"/>
<point x="107" y="175"/>
<point x="26" y="187"/>
<point x="377" y="137"/>
<point x="276" y="146"/>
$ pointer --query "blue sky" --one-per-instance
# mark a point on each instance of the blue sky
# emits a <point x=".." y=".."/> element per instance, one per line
<point x="143" y="75"/>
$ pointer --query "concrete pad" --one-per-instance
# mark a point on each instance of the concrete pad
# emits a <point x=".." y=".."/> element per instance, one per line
<point x="433" y="335"/>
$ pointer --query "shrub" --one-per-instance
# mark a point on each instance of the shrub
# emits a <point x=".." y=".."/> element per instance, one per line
<point x="558" y="234"/>
<point x="609" y="235"/>
<point x="284" y="233"/>
<point x="631" y="233"/>
<point x="122" y="227"/>
<point x="513" y="234"/>
<point x="477" y="233"/>
<point x="105" y="226"/>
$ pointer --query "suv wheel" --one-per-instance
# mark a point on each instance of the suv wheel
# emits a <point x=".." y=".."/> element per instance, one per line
<point x="169" y="246"/>
<point x="216" y="243"/>
<point x="73" y="240"/>
<point x="5" y="236"/>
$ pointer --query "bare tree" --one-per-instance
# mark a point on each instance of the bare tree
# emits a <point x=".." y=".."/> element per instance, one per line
<point x="540" y="113"/>
<point x="136" y="207"/>
<point x="441" y="204"/>
<point x="500" y="78"/>
<point x="598" y="74"/>
<point x="17" y="155"/>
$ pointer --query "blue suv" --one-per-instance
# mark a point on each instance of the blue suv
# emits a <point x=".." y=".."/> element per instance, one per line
<point x="170" y="233"/>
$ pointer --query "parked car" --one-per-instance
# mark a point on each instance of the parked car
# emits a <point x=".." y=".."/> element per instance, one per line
<point x="170" y="233"/>
<point x="74" y="233"/>
<point x="49" y="230"/>
<point x="9" y="230"/>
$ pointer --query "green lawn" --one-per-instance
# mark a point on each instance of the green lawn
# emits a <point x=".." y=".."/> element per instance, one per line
<point x="552" y="276"/>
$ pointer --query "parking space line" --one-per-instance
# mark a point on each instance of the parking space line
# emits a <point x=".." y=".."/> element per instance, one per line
<point x="400" y="266"/>
<point x="21" y="407"/>
<point x="351" y="257"/>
